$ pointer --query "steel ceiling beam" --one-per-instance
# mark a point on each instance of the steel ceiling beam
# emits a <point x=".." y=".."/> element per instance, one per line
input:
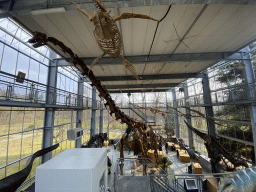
<point x="184" y="57"/>
<point x="149" y="77"/>
<point x="24" y="7"/>
<point x="143" y="86"/>
<point x="139" y="91"/>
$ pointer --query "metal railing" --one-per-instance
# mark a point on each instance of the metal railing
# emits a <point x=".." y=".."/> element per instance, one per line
<point x="236" y="94"/>
<point x="160" y="184"/>
<point x="140" y="174"/>
<point x="35" y="92"/>
<point x="139" y="167"/>
<point x="199" y="179"/>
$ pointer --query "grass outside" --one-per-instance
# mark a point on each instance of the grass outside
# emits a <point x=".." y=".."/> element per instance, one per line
<point x="21" y="145"/>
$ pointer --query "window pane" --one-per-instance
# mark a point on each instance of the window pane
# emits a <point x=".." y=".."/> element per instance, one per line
<point x="34" y="54"/>
<point x="33" y="70"/>
<point x="68" y="84"/>
<point x="37" y="145"/>
<point x="15" y="43"/>
<point x="25" y="36"/>
<point x="43" y="74"/>
<point x="23" y="64"/>
<point x="12" y="28"/>
<point x="27" y="144"/>
<point x="2" y="173"/>
<point x="14" y="168"/>
<point x="4" y="120"/>
<point x="24" y="48"/>
<point x="14" y="147"/>
<point x="4" y="23"/>
<point x="3" y="150"/>
<point x="8" y="39"/>
<point x="9" y="60"/>
<point x="16" y="120"/>
<point x="29" y="120"/>
<point x="39" y="119"/>
<point x="18" y="33"/>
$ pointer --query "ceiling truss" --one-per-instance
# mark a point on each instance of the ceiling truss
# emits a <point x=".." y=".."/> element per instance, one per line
<point x="24" y="7"/>
<point x="143" y="86"/>
<point x="184" y="57"/>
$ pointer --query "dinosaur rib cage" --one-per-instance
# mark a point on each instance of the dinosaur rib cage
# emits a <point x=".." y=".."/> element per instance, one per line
<point x="112" y="46"/>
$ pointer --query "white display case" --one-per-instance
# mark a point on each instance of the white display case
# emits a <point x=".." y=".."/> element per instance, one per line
<point x="74" y="170"/>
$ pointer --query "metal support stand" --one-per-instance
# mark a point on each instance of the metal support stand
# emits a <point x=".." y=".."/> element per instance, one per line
<point x="101" y="115"/>
<point x="176" y="120"/>
<point x="251" y="91"/>
<point x="49" y="113"/>
<point x="208" y="102"/>
<point x="79" y="112"/>
<point x="94" y="107"/>
<point x="188" y="115"/>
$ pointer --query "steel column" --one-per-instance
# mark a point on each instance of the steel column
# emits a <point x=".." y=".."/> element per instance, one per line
<point x="80" y="90"/>
<point x="188" y="115"/>
<point x="251" y="88"/>
<point x="208" y="100"/>
<point x="176" y="120"/>
<point x="167" y="114"/>
<point x="94" y="107"/>
<point x="49" y="114"/>
<point x="101" y="115"/>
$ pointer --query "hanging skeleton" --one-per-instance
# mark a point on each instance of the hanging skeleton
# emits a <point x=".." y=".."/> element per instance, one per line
<point x="144" y="137"/>
<point x="107" y="33"/>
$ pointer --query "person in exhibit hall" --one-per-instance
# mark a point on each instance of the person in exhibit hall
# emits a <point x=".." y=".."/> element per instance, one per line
<point x="166" y="147"/>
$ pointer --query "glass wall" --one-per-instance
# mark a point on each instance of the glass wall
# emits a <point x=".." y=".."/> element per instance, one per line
<point x="230" y="100"/>
<point x="23" y="86"/>
<point x="21" y="127"/>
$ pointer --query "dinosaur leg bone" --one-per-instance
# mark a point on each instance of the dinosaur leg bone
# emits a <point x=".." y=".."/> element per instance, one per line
<point x="130" y="67"/>
<point x="133" y="15"/>
<point x="95" y="61"/>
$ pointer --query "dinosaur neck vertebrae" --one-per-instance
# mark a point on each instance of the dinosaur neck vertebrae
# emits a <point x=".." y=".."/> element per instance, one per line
<point x="144" y="137"/>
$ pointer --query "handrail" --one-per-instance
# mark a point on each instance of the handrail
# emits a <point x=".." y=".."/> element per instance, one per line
<point x="162" y="173"/>
<point x="164" y="185"/>
<point x="139" y="115"/>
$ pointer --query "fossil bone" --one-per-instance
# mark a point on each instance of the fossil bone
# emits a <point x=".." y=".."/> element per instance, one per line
<point x="143" y="134"/>
<point x="216" y="151"/>
<point x="107" y="34"/>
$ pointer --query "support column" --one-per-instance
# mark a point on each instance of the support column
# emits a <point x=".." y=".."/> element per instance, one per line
<point x="79" y="112"/>
<point x="251" y="91"/>
<point x="49" y="113"/>
<point x="94" y="107"/>
<point x="167" y="114"/>
<point x="176" y="120"/>
<point x="208" y="102"/>
<point x="188" y="115"/>
<point x="101" y="115"/>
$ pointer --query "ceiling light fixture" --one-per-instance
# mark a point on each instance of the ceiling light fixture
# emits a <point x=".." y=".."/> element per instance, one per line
<point x="48" y="11"/>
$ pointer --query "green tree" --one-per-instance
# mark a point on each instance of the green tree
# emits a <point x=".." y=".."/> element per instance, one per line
<point x="164" y="163"/>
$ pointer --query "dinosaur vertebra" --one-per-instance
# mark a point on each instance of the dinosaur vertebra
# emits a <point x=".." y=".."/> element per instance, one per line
<point x="144" y="136"/>
<point x="107" y="33"/>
